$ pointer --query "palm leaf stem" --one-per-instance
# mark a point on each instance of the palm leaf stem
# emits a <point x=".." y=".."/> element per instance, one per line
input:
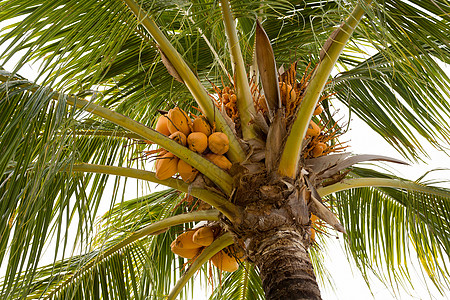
<point x="218" y="244"/>
<point x="155" y="228"/>
<point x="201" y="96"/>
<point x="347" y="184"/>
<point x="245" y="101"/>
<point x="331" y="52"/>
<point x="210" y="170"/>
<point x="230" y="210"/>
<point x="244" y="283"/>
<point x="111" y="133"/>
<point x="214" y="52"/>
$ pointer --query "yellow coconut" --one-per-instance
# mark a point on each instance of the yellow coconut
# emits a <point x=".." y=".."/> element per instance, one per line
<point x="291" y="95"/>
<point x="262" y="103"/>
<point x="197" y="141"/>
<point x="178" y="137"/>
<point x="318" y="110"/>
<point x="204" y="236"/>
<point x="318" y="149"/>
<point x="183" y="252"/>
<point x="184" y="240"/>
<point x="313" y="219"/>
<point x="186" y="171"/>
<point x="283" y="91"/>
<point x="225" y="98"/>
<point x="287" y="93"/>
<point x="313" y="129"/>
<point x="224" y="262"/>
<point x="161" y="125"/>
<point x="219" y="160"/>
<point x="218" y="143"/>
<point x="201" y="124"/>
<point x="179" y="121"/>
<point x="312" y="237"/>
<point x="166" y="166"/>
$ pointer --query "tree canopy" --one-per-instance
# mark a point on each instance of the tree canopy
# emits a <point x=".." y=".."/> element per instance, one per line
<point x="108" y="67"/>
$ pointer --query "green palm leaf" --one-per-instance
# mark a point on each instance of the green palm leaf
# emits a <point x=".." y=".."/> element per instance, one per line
<point x="36" y="196"/>
<point x="245" y="283"/>
<point x="397" y="104"/>
<point x="390" y="90"/>
<point x="393" y="223"/>
<point x="118" y="265"/>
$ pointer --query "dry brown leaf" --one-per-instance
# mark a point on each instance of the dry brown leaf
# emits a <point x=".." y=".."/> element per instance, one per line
<point x="267" y="69"/>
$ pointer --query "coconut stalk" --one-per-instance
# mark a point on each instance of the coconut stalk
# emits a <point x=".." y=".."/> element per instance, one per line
<point x="329" y="54"/>
<point x="201" y="96"/>
<point x="245" y="104"/>
<point x="155" y="228"/>
<point x="221" y="178"/>
<point x="222" y="204"/>
<point x="216" y="246"/>
<point x="110" y="133"/>
<point x="214" y="52"/>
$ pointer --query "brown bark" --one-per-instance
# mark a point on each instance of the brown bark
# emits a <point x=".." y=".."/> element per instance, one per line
<point x="275" y="233"/>
<point x="285" y="267"/>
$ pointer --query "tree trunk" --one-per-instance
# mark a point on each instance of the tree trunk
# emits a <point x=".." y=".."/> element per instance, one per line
<point x="285" y="267"/>
<point x="275" y="232"/>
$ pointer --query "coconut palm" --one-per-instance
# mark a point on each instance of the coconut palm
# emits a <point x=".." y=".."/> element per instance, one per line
<point x="109" y="69"/>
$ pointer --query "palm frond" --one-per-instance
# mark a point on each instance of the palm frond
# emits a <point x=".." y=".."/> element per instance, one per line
<point x="393" y="225"/>
<point x="401" y="90"/>
<point x="317" y="253"/>
<point x="38" y="201"/>
<point x="397" y="107"/>
<point x="244" y="283"/>
<point x="118" y="250"/>
<point x="82" y="38"/>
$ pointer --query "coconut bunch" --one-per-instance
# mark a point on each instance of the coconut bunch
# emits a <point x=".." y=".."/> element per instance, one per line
<point x="191" y="243"/>
<point x="321" y="136"/>
<point x="226" y="101"/>
<point x="197" y="135"/>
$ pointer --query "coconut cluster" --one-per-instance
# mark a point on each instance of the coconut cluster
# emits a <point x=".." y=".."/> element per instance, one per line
<point x="195" y="134"/>
<point x="319" y="139"/>
<point x="198" y="136"/>
<point x="321" y="134"/>
<point x="191" y="243"/>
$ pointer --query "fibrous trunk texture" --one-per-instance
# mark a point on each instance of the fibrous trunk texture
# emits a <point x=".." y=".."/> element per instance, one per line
<point x="285" y="267"/>
<point x="275" y="232"/>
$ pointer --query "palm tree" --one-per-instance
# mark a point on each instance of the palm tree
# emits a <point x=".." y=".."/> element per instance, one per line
<point x="110" y="68"/>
